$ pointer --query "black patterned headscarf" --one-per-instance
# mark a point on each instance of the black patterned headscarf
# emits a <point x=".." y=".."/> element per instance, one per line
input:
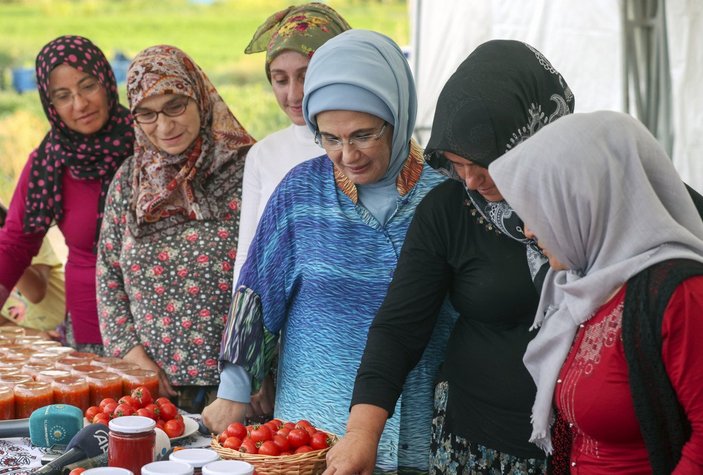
<point x="87" y="157"/>
<point x="501" y="95"/>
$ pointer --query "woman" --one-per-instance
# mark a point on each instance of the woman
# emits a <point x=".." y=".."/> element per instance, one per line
<point x="66" y="178"/>
<point x="290" y="38"/>
<point x="466" y="242"/>
<point x="326" y="248"/>
<point x="625" y="245"/>
<point x="170" y="231"/>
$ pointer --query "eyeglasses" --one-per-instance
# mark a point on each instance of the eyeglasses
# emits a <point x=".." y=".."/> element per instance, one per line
<point x="334" y="144"/>
<point x="172" y="109"/>
<point x="439" y="162"/>
<point x="86" y="88"/>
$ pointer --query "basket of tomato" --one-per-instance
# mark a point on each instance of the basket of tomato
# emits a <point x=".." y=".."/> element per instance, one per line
<point x="276" y="447"/>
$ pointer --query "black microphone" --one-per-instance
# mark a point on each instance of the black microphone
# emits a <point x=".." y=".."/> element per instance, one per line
<point x="87" y="443"/>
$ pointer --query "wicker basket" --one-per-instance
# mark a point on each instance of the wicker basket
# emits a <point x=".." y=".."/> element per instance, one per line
<point x="307" y="463"/>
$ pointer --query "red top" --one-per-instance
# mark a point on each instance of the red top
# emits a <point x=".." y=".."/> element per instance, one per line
<point x="17" y="248"/>
<point x="593" y="393"/>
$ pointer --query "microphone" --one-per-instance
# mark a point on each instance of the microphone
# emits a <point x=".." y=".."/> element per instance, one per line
<point x="89" y="442"/>
<point x="97" y="461"/>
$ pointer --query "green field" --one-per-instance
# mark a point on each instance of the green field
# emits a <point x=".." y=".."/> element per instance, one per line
<point x="215" y="35"/>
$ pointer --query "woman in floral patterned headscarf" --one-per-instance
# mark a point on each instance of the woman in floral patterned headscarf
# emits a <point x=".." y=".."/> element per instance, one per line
<point x="170" y="230"/>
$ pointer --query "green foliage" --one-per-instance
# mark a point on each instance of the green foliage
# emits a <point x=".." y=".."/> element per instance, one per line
<point x="213" y="35"/>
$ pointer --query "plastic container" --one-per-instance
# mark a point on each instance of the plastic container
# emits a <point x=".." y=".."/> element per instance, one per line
<point x="228" y="467"/>
<point x="196" y="458"/>
<point x="103" y="385"/>
<point x="72" y="390"/>
<point x="167" y="467"/>
<point x="108" y="471"/>
<point x="7" y="403"/>
<point x="131" y="442"/>
<point x="31" y="396"/>
<point x="140" y="377"/>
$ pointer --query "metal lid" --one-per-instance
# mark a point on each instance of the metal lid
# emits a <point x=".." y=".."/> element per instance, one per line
<point x="132" y="424"/>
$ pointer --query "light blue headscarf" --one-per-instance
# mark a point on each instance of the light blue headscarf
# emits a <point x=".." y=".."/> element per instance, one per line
<point x="365" y="71"/>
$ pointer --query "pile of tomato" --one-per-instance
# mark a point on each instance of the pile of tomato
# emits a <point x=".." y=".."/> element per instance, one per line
<point x="139" y="403"/>
<point x="274" y="437"/>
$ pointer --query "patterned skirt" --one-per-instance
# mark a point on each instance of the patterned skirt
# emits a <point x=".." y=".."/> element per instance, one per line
<point x="451" y="454"/>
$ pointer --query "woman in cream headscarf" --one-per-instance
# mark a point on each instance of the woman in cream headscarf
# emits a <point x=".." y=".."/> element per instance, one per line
<point x="169" y="235"/>
<point x="326" y="247"/>
<point x="621" y="312"/>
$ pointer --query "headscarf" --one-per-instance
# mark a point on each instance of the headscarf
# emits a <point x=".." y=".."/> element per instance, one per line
<point x="302" y="28"/>
<point x="502" y="94"/>
<point x="196" y="184"/>
<point x="87" y="157"/>
<point x="603" y="197"/>
<point x="365" y="71"/>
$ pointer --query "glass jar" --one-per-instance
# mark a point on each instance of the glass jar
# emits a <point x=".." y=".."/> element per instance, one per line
<point x="228" y="467"/>
<point x="31" y="396"/>
<point x="68" y="362"/>
<point x="7" y="403"/>
<point x="72" y="390"/>
<point x="121" y="366"/>
<point x="59" y="350"/>
<point x="131" y="442"/>
<point x="9" y="370"/>
<point x="85" y="369"/>
<point x="196" y="458"/>
<point x="140" y="377"/>
<point x="83" y="355"/>
<point x="14" y="379"/>
<point x="45" y="357"/>
<point x="11" y="332"/>
<point x="48" y="375"/>
<point x="104" y="361"/>
<point x="33" y="369"/>
<point x="103" y="385"/>
<point x="167" y="467"/>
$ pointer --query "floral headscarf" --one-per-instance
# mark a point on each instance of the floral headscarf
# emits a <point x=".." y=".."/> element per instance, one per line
<point x="302" y="28"/>
<point x="169" y="189"/>
<point x="87" y="157"/>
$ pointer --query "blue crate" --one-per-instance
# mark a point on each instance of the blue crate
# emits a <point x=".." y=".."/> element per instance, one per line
<point x="23" y="79"/>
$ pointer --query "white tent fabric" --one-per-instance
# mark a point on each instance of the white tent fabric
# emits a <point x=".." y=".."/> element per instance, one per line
<point x="583" y="40"/>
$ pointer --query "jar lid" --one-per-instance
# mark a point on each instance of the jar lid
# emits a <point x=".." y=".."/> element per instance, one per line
<point x="108" y="471"/>
<point x="167" y="466"/>
<point x="228" y="467"/>
<point x="194" y="457"/>
<point x="132" y="424"/>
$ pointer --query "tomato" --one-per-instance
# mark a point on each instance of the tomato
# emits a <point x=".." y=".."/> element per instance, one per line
<point x="168" y="411"/>
<point x="302" y="424"/>
<point x="319" y="440"/>
<point x="142" y="395"/>
<point x="144" y="412"/>
<point x="122" y="410"/>
<point x="105" y="401"/>
<point x="298" y="437"/>
<point x="232" y="443"/>
<point x="222" y="436"/>
<point x="273" y="426"/>
<point x="173" y="428"/>
<point x="91" y="412"/>
<point x="283" y="431"/>
<point x="261" y="433"/>
<point x="269" y="448"/>
<point x="77" y="470"/>
<point x="160" y="424"/>
<point x="248" y="446"/>
<point x="130" y="401"/>
<point x="289" y="425"/>
<point x="109" y="408"/>
<point x="302" y="449"/>
<point x="155" y="410"/>
<point x="162" y="400"/>
<point x="311" y="430"/>
<point x="237" y="429"/>
<point x="281" y="442"/>
<point x="101" y="418"/>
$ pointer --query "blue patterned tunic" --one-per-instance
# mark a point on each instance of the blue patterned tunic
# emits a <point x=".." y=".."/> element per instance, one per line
<point x="317" y="272"/>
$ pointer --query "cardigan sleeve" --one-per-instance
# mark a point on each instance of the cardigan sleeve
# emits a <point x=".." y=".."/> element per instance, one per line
<point x="114" y="314"/>
<point x="404" y="323"/>
<point x="682" y="354"/>
<point x="17" y="248"/>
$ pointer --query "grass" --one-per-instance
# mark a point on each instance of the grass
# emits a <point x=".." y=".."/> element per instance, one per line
<point x="213" y="35"/>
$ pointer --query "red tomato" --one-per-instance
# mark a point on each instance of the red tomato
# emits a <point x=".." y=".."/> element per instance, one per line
<point x="273" y="426"/>
<point x="105" y="401"/>
<point x="156" y="410"/>
<point x="311" y="430"/>
<point x="302" y="423"/>
<point x="298" y="438"/>
<point x="142" y="395"/>
<point x="303" y="449"/>
<point x="160" y="424"/>
<point x="237" y="429"/>
<point x="281" y="442"/>
<point x="173" y="428"/>
<point x="77" y="471"/>
<point x="289" y="425"/>
<point x="269" y="448"/>
<point x="130" y="401"/>
<point x="261" y="433"/>
<point x="283" y="431"/>
<point x="144" y="412"/>
<point x="91" y="412"/>
<point x="232" y="442"/>
<point x="248" y="446"/>
<point x="278" y="422"/>
<point x="162" y="400"/>
<point x="101" y="418"/>
<point x="109" y="408"/>
<point x="168" y="411"/>
<point x="319" y="440"/>
<point x="122" y="410"/>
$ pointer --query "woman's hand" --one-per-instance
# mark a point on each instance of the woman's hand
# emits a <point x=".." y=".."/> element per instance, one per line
<point x="137" y="355"/>
<point x="262" y="402"/>
<point x="221" y="413"/>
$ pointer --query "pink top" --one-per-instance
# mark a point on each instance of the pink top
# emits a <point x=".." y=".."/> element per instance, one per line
<point x="593" y="393"/>
<point x="17" y="248"/>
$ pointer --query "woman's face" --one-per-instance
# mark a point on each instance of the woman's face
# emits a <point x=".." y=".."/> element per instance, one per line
<point x="79" y="99"/>
<point x="475" y="177"/>
<point x="361" y="166"/>
<point x="177" y="123"/>
<point x="287" y="78"/>
<point x="554" y="263"/>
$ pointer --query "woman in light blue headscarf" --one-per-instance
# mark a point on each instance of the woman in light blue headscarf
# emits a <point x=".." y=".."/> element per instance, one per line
<point x="326" y="248"/>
